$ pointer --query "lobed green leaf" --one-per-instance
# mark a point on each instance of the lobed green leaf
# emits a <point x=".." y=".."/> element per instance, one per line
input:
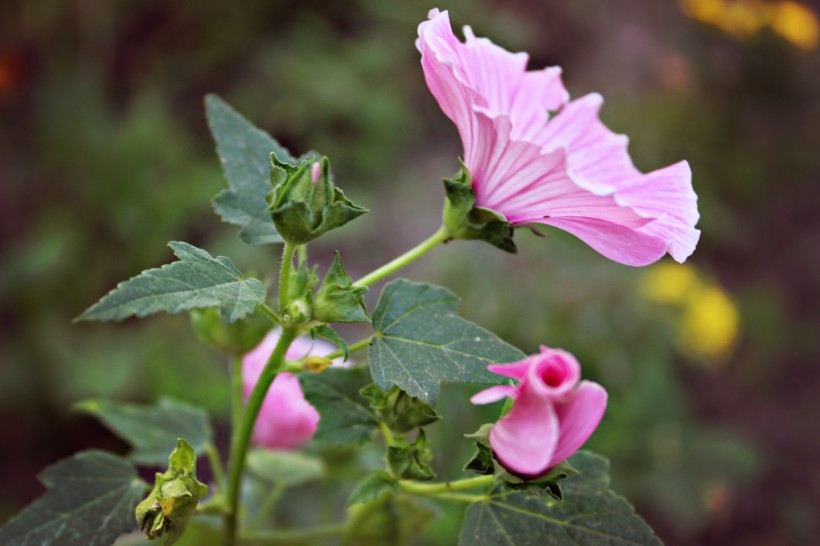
<point x="89" y="502"/>
<point x="197" y="280"/>
<point x="420" y="342"/>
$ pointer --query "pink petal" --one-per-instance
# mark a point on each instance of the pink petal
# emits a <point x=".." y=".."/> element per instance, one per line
<point x="524" y="440"/>
<point x="625" y="245"/>
<point x="493" y="394"/>
<point x="286" y="419"/>
<point x="513" y="370"/>
<point x="578" y="418"/>
<point x="554" y="374"/>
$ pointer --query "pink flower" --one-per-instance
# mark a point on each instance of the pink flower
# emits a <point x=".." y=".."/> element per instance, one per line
<point x="564" y="169"/>
<point x="286" y="420"/>
<point x="552" y="416"/>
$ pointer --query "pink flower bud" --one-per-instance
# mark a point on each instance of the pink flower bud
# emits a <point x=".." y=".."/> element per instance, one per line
<point x="552" y="416"/>
<point x="286" y="420"/>
<point x="315" y="171"/>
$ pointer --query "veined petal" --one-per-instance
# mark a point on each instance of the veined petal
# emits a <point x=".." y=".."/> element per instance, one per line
<point x="493" y="394"/>
<point x="527" y="184"/>
<point x="625" y="245"/>
<point x="578" y="418"/>
<point x="513" y="370"/>
<point x="525" y="439"/>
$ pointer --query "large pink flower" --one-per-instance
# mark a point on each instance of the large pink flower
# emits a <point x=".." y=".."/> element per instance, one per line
<point x="536" y="157"/>
<point x="552" y="416"/>
<point x="286" y="420"/>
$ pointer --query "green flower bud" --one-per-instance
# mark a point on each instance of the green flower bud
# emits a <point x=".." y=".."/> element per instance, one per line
<point x="304" y="203"/>
<point x="337" y="299"/>
<point x="297" y="312"/>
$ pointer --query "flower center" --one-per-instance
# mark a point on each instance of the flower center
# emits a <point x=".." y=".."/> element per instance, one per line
<point x="553" y="376"/>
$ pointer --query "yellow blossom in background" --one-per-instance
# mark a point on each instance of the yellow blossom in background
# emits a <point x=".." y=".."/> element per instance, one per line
<point x="791" y="20"/>
<point x="669" y="283"/>
<point x="708" y="327"/>
<point x="707" y="321"/>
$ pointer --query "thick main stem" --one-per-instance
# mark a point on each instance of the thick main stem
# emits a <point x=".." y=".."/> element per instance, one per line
<point x="242" y="434"/>
<point x="408" y="257"/>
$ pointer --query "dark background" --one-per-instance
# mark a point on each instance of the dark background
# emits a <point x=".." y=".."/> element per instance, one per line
<point x="712" y="368"/>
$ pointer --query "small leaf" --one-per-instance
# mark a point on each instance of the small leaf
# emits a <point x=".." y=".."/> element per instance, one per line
<point x="89" y="502"/>
<point x="377" y="485"/>
<point x="591" y="514"/>
<point x="420" y="342"/>
<point x="330" y="335"/>
<point x="288" y="468"/>
<point x="346" y="417"/>
<point x="172" y="502"/>
<point x="337" y="299"/>
<point x="152" y="430"/>
<point x="244" y="152"/>
<point x="196" y="281"/>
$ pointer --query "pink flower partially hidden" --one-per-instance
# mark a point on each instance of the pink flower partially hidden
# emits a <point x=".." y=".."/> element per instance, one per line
<point x="286" y="420"/>
<point x="566" y="169"/>
<point x="552" y="416"/>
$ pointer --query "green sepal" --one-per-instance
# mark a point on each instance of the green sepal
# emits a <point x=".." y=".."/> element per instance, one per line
<point x="172" y="502"/>
<point x="337" y="299"/>
<point x="329" y="334"/>
<point x="484" y="463"/>
<point x="399" y="411"/>
<point x="302" y="283"/>
<point x="302" y="209"/>
<point x="412" y="460"/>
<point x="464" y="220"/>
<point x="235" y="339"/>
<point x="374" y="487"/>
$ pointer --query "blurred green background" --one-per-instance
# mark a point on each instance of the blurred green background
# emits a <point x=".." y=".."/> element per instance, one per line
<point x="712" y="368"/>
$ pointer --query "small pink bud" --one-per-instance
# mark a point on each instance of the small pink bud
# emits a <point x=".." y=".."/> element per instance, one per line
<point x="315" y="171"/>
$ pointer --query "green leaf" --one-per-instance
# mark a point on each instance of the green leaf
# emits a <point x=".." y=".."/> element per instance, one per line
<point x="420" y="342"/>
<point x="331" y="335"/>
<point x="89" y="502"/>
<point x="411" y="460"/>
<point x="197" y="280"/>
<point x="168" y="509"/>
<point x="377" y="485"/>
<point x="244" y="152"/>
<point x="591" y="514"/>
<point x="337" y="299"/>
<point x="346" y="417"/>
<point x="288" y="468"/>
<point x="152" y="430"/>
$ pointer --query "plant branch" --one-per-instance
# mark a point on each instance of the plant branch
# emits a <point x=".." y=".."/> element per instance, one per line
<point x="441" y="236"/>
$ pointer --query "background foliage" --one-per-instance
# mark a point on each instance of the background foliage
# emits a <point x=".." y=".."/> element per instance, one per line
<point x="712" y="369"/>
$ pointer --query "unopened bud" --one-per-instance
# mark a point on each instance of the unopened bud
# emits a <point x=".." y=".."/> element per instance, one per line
<point x="315" y="171"/>
<point x="297" y="312"/>
<point x="316" y="364"/>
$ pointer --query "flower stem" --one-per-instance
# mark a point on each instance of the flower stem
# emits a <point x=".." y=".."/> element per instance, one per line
<point x="284" y="275"/>
<point x="358" y="346"/>
<point x="242" y="434"/>
<point x="436" y="489"/>
<point x="441" y="236"/>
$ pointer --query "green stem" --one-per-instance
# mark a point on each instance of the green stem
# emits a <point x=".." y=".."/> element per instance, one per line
<point x="270" y="313"/>
<point x="431" y="489"/>
<point x="358" y="346"/>
<point x="442" y="235"/>
<point x="216" y="466"/>
<point x="284" y="275"/>
<point x="242" y="434"/>
<point x="267" y="506"/>
<point x="294" y="536"/>
<point x="302" y="252"/>
<point x="461" y="497"/>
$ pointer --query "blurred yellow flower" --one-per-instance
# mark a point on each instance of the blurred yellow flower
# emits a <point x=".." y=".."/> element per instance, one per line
<point x="669" y="283"/>
<point x="708" y="321"/>
<point x="709" y="325"/>
<point x="791" y="20"/>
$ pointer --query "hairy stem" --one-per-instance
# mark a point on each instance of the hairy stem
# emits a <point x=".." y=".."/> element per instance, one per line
<point x="442" y="235"/>
<point x="242" y="434"/>
<point x="284" y="275"/>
